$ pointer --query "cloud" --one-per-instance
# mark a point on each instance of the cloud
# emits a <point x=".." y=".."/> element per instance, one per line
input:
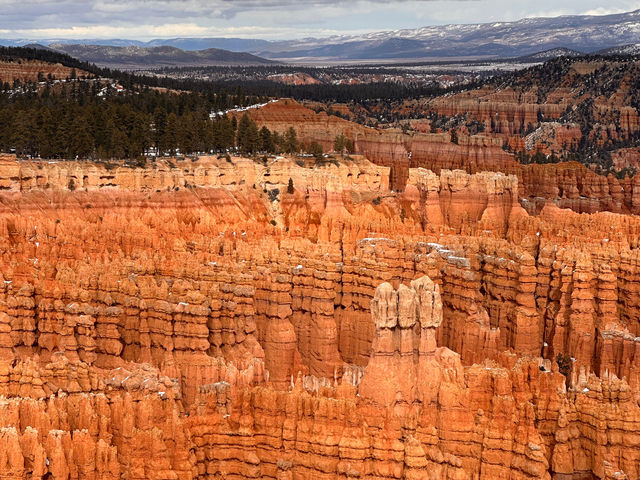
<point x="604" y="11"/>
<point x="168" y="30"/>
<point x="145" y="19"/>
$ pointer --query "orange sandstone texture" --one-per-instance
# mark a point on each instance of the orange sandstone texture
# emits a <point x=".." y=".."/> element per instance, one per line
<point x="30" y="70"/>
<point x="197" y="320"/>
<point x="570" y="184"/>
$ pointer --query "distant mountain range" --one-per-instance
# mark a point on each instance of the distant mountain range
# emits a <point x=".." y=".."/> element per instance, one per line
<point x="135" y="57"/>
<point x="582" y="33"/>
<point x="632" y="49"/>
<point x="550" y="54"/>
<point x="526" y="37"/>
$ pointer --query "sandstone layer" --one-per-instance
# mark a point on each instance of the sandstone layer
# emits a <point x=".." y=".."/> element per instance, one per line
<point x="198" y="319"/>
<point x="568" y="184"/>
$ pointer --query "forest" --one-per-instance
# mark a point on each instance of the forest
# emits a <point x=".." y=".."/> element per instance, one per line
<point x="264" y="88"/>
<point x="79" y="123"/>
<point x="87" y="118"/>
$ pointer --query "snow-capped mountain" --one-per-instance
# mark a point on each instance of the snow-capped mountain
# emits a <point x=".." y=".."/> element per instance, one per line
<point x="528" y="36"/>
<point x="557" y="36"/>
<point x="552" y="53"/>
<point x="631" y="49"/>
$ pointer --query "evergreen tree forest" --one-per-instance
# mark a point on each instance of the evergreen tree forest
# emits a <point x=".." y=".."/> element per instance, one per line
<point x="78" y="122"/>
<point x="85" y="117"/>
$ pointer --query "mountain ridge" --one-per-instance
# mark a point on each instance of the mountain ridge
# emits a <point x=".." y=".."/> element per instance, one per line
<point x="133" y="56"/>
<point x="584" y="33"/>
<point x="520" y="38"/>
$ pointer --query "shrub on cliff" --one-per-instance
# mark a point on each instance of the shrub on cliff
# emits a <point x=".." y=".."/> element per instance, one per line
<point x="316" y="150"/>
<point x="564" y="364"/>
<point x="454" y="136"/>
<point x="343" y="145"/>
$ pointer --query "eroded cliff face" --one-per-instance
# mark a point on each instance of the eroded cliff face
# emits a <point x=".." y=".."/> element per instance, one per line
<point x="200" y="320"/>
<point x="568" y="184"/>
<point x="389" y="147"/>
<point x="31" y="71"/>
<point x="529" y="108"/>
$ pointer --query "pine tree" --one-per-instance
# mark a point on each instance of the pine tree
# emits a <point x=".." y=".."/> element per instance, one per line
<point x="349" y="146"/>
<point x="278" y="142"/>
<point x="242" y="128"/>
<point x="266" y="140"/>
<point x="185" y="134"/>
<point x="119" y="144"/>
<point x="224" y="136"/>
<point x="316" y="150"/>
<point x="453" y="136"/>
<point x="23" y="134"/>
<point x="291" y="141"/>
<point x="82" y="139"/>
<point x="46" y="131"/>
<point x="171" y="134"/>
<point x="248" y="135"/>
<point x="160" y="124"/>
<point x="253" y="138"/>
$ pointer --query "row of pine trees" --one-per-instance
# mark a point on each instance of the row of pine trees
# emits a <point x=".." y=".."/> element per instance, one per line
<point x="87" y="126"/>
<point x="81" y="123"/>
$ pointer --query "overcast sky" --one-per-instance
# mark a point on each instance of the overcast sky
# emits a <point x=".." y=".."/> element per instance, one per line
<point x="270" y="19"/>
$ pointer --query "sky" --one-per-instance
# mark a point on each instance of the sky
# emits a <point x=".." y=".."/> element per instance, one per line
<point x="270" y="19"/>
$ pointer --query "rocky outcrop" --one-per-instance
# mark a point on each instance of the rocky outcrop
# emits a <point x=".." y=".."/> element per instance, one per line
<point x="310" y="126"/>
<point x="457" y="199"/>
<point x="70" y="420"/>
<point x="572" y="185"/>
<point x="474" y="153"/>
<point x="554" y="138"/>
<point x="513" y="417"/>
<point x="568" y="184"/>
<point x="388" y="148"/>
<point x="257" y="311"/>
<point x="404" y="345"/>
<point x="34" y="71"/>
<point x="172" y="175"/>
<point x="628" y="158"/>
<point x="505" y="111"/>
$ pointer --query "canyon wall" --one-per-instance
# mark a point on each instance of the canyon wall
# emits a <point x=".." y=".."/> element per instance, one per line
<point x="200" y="319"/>
<point x="568" y="184"/>
<point x="35" y="71"/>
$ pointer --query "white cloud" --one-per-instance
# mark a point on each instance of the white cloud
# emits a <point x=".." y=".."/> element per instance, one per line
<point x="145" y="19"/>
<point x="165" y="31"/>
<point x="604" y="11"/>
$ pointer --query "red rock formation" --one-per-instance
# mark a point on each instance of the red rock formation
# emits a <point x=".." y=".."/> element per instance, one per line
<point x="535" y="99"/>
<point x="29" y="70"/>
<point x="626" y="158"/>
<point x="387" y="148"/>
<point x="573" y="186"/>
<point x="514" y="418"/>
<point x="570" y="184"/>
<point x="554" y="138"/>
<point x="474" y="154"/>
<point x="310" y="126"/>
<point x="501" y="111"/>
<point x="221" y="330"/>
